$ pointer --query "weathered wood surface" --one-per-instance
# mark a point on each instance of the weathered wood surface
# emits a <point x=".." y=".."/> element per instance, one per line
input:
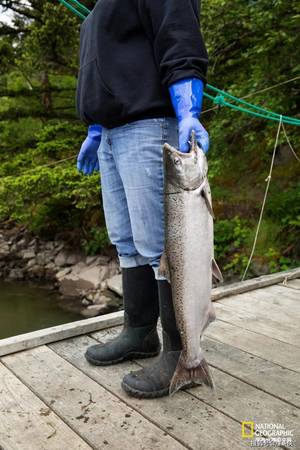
<point x="183" y="416"/>
<point x="97" y="415"/>
<point x="233" y="396"/>
<point x="267" y="324"/>
<point x="255" y="283"/>
<point x="269" y="302"/>
<point x="263" y="346"/>
<point x="294" y="284"/>
<point x="51" y="398"/>
<point x="57" y="333"/>
<point x="26" y="423"/>
<point x="258" y="372"/>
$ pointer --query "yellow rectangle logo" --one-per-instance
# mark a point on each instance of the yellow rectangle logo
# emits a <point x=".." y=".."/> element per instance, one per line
<point x="246" y="433"/>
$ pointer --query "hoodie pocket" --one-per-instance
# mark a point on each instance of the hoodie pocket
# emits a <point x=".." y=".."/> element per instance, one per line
<point x="96" y="103"/>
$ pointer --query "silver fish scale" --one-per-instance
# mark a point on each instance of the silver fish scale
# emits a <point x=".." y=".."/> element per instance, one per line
<point x="189" y="251"/>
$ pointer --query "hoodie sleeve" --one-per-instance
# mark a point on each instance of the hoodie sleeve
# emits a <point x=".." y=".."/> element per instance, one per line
<point x="173" y="28"/>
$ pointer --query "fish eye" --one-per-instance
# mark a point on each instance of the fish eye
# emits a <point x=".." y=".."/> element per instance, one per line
<point x="177" y="161"/>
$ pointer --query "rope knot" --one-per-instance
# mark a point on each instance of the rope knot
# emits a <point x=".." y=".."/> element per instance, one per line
<point x="219" y="100"/>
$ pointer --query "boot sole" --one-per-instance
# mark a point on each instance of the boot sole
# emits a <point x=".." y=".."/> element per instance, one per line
<point x="148" y="395"/>
<point x="131" y="355"/>
<point x="141" y="394"/>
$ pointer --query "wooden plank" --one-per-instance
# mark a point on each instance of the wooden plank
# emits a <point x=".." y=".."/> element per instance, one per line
<point x="247" y="403"/>
<point x="183" y="416"/>
<point x="26" y="423"/>
<point x="254" y="283"/>
<point x="281" y="291"/>
<point x="96" y="414"/>
<point x="293" y="284"/>
<point x="266" y="303"/>
<point x="242" y="399"/>
<point x="263" y="374"/>
<point x="267" y="324"/>
<point x="233" y="397"/>
<point x="57" y="333"/>
<point x="265" y="347"/>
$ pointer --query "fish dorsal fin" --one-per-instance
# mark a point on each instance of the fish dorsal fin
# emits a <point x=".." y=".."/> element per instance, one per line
<point x="216" y="272"/>
<point x="206" y="195"/>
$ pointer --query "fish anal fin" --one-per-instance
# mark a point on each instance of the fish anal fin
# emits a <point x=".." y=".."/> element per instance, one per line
<point x="207" y="200"/>
<point x="216" y="272"/>
<point x="164" y="270"/>
<point x="188" y="377"/>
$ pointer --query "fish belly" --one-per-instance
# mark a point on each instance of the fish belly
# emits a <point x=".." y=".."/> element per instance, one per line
<point x="189" y="248"/>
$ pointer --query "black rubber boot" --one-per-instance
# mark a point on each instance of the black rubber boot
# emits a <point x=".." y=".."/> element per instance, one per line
<point x="154" y="381"/>
<point x="139" y="338"/>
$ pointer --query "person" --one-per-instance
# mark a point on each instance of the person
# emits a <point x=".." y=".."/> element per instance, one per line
<point x="142" y="72"/>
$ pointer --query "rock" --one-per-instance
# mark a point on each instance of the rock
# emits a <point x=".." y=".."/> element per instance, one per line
<point x="21" y="243"/>
<point x="90" y="260"/>
<point x="100" y="299"/>
<point x="50" y="246"/>
<point x="30" y="263"/>
<point x="61" y="259"/>
<point x="37" y="272"/>
<point x="58" y="246"/>
<point x="62" y="273"/>
<point x="102" y="260"/>
<point x="67" y="259"/>
<point x="93" y="310"/>
<point x="89" y="278"/>
<point x="115" y="284"/>
<point x="16" y="274"/>
<point x="103" y="285"/>
<point x="28" y="254"/>
<point x="113" y="268"/>
<point x="90" y="297"/>
<point x="85" y="302"/>
<point x="4" y="250"/>
<point x="74" y="258"/>
<point x="44" y="257"/>
<point x="79" y="267"/>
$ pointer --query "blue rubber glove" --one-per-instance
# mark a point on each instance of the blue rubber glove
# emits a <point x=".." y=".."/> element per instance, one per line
<point x="187" y="96"/>
<point x="87" y="161"/>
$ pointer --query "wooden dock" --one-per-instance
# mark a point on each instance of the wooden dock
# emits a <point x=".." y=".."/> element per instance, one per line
<point x="51" y="398"/>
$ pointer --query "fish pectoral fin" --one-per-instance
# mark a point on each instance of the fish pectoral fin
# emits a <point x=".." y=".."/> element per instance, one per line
<point x="207" y="200"/>
<point x="164" y="270"/>
<point x="216" y="272"/>
<point x="185" y="377"/>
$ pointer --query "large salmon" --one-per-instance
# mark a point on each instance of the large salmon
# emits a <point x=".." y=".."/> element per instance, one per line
<point x="188" y="260"/>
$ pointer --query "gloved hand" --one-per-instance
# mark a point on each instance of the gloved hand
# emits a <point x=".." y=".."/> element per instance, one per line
<point x="87" y="161"/>
<point x="187" y="96"/>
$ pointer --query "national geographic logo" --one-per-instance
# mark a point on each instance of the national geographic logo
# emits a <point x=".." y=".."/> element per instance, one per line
<point x="267" y="434"/>
<point x="247" y="430"/>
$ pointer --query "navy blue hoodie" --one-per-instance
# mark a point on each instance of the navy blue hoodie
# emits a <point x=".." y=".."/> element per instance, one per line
<point x="131" y="51"/>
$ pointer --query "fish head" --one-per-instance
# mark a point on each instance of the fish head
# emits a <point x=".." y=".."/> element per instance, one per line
<point x="186" y="171"/>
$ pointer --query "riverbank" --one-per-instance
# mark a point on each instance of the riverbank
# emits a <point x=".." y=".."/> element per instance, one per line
<point x="92" y="281"/>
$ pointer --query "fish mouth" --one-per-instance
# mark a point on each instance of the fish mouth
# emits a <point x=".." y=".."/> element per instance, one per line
<point x="169" y="149"/>
<point x="188" y="176"/>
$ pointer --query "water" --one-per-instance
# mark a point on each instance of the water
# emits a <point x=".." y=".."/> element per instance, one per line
<point x="25" y="308"/>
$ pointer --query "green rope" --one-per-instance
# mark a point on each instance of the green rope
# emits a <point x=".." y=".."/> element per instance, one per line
<point x="220" y="98"/>
<point x="71" y="8"/>
<point x="243" y="102"/>
<point x="83" y="8"/>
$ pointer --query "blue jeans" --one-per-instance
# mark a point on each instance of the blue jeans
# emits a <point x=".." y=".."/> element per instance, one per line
<point x="131" y="165"/>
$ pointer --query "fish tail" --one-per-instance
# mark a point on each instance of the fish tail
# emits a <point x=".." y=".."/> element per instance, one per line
<point x="185" y="377"/>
